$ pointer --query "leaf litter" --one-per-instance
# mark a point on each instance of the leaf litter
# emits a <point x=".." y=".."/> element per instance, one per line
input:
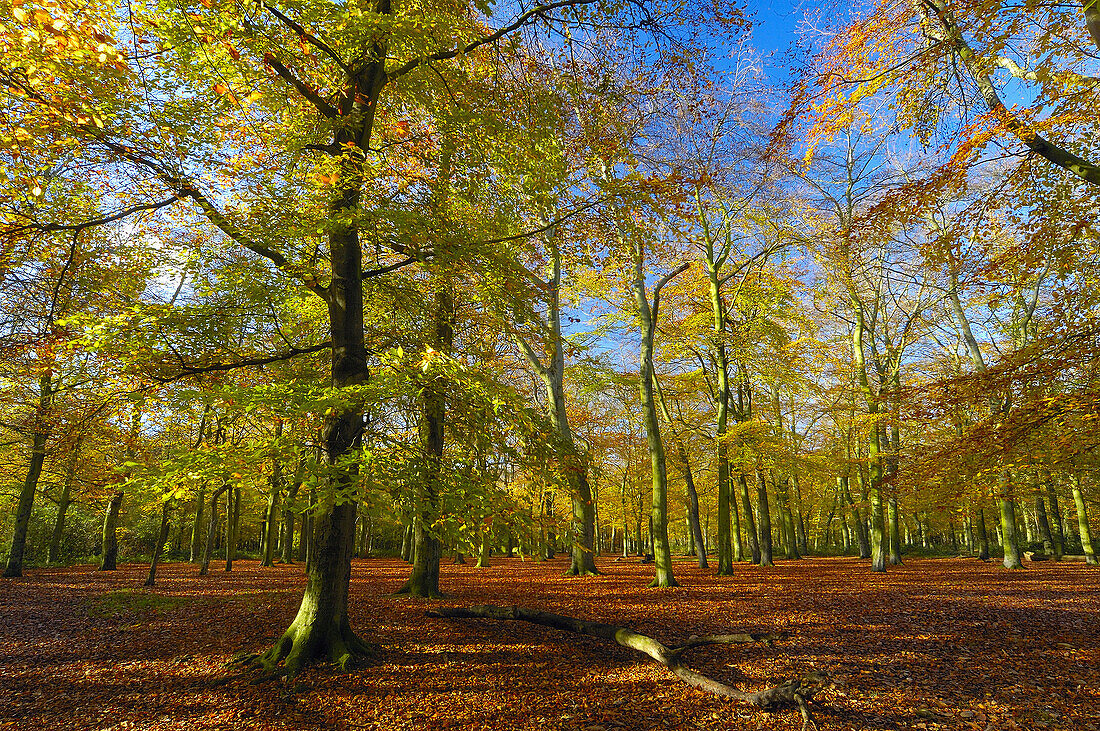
<point x="933" y="644"/>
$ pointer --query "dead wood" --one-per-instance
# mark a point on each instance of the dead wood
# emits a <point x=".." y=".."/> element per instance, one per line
<point x="795" y="692"/>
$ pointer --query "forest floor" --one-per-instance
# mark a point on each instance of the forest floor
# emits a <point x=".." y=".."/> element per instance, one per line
<point x="936" y="643"/>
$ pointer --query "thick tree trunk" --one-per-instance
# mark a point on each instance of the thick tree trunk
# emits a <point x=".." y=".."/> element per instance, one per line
<point x="789" y="693"/>
<point x="109" y="557"/>
<point x="158" y="549"/>
<point x="39" y="438"/>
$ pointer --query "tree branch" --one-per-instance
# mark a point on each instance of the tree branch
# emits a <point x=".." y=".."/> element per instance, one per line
<point x="53" y="227"/>
<point x="302" y="87"/>
<point x="189" y="371"/>
<point x="310" y="38"/>
<point x="519" y="22"/>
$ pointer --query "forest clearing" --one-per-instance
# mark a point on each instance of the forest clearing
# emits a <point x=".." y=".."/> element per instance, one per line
<point x="934" y="644"/>
<point x="306" y="306"/>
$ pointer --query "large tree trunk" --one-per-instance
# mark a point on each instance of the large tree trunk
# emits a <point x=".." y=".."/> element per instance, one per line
<point x="575" y="466"/>
<point x="1043" y="525"/>
<point x="109" y="558"/>
<point x="789" y="693"/>
<point x="41" y="434"/>
<point x="158" y="549"/>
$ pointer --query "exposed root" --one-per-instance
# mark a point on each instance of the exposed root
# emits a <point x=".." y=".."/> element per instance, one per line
<point x="298" y="648"/>
<point x="798" y="692"/>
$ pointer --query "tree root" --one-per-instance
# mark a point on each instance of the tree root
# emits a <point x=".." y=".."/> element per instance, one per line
<point x="795" y="692"/>
<point x="297" y="648"/>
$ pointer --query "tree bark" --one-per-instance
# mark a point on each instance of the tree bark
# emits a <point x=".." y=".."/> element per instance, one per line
<point x="750" y="522"/>
<point x="983" y="537"/>
<point x="196" y="528"/>
<point x="54" y="554"/>
<point x="1009" y="541"/>
<point x="1084" y="531"/>
<point x="764" y="519"/>
<point x="428" y="549"/>
<point x="39" y="438"/>
<point x="109" y="558"/>
<point x="271" y="516"/>
<point x="212" y="529"/>
<point x="158" y="549"/>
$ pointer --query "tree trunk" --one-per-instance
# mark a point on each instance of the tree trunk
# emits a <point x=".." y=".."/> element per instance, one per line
<point x="40" y="436"/>
<point x="750" y="523"/>
<point x="196" y="528"/>
<point x="1056" y="520"/>
<point x="232" y="525"/>
<point x="1009" y="541"/>
<point x="158" y="549"/>
<point x="428" y="549"/>
<point x="54" y="554"/>
<point x="764" y="519"/>
<point x="1043" y="525"/>
<point x="1083" y="522"/>
<point x="895" y="531"/>
<point x="109" y="558"/>
<point x="486" y="547"/>
<point x="212" y="529"/>
<point x="275" y="483"/>
<point x="662" y="555"/>
<point x="983" y="537"/>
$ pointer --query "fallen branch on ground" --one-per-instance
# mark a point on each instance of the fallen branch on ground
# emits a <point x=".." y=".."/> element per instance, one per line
<point x="796" y="692"/>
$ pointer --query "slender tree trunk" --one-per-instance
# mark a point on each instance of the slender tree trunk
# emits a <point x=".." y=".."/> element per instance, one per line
<point x="983" y="536"/>
<point x="275" y="483"/>
<point x="1056" y="520"/>
<point x="895" y="531"/>
<point x="232" y="526"/>
<point x="1083" y="523"/>
<point x="1043" y="525"/>
<point x="764" y="520"/>
<point x="40" y="436"/>
<point x="857" y="519"/>
<point x="750" y="523"/>
<point x="196" y="527"/>
<point x="109" y="558"/>
<point x="158" y="549"/>
<point x="428" y="549"/>
<point x="1009" y="540"/>
<point x="54" y="554"/>
<point x="212" y="529"/>
<point x="662" y="555"/>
